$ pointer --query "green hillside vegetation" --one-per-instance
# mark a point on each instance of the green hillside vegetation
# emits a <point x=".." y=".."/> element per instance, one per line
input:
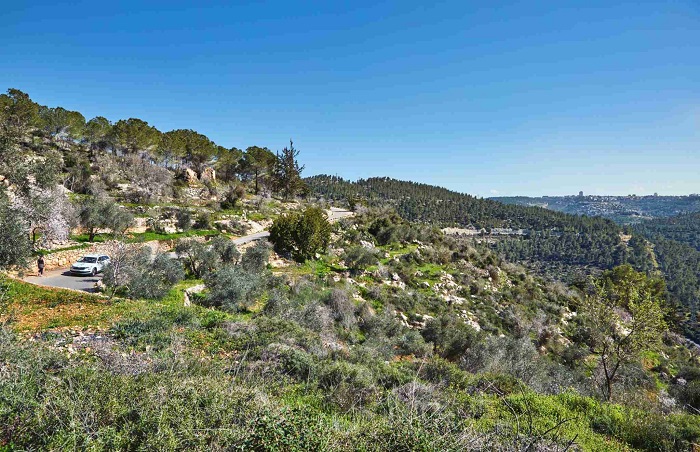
<point x="559" y="246"/>
<point x="488" y="357"/>
<point x="378" y="331"/>
<point x="681" y="228"/>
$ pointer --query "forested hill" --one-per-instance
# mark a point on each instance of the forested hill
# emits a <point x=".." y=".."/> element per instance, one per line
<point x="559" y="245"/>
<point x="431" y="204"/>
<point x="683" y="228"/>
<point x="622" y="209"/>
<point x="677" y="248"/>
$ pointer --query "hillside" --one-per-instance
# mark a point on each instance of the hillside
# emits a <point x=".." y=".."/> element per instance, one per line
<point x="519" y="329"/>
<point x="425" y="344"/>
<point x="621" y="209"/>
<point x="557" y="245"/>
<point x="683" y="228"/>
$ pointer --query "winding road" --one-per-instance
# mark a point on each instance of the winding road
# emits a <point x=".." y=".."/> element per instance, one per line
<point x="62" y="277"/>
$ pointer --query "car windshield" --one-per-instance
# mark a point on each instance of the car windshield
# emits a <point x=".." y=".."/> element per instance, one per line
<point x="89" y="260"/>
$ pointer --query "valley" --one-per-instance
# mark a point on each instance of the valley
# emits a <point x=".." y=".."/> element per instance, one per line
<point x="248" y="307"/>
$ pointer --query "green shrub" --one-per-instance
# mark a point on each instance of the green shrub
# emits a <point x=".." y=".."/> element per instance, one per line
<point x="335" y="373"/>
<point x="292" y="361"/>
<point x="232" y="288"/>
<point x="292" y="430"/>
<point x="411" y="343"/>
<point x="183" y="218"/>
<point x="342" y="308"/>
<point x="277" y="304"/>
<point x="440" y="371"/>
<point x="301" y="235"/>
<point x="451" y="336"/>
<point x="359" y="258"/>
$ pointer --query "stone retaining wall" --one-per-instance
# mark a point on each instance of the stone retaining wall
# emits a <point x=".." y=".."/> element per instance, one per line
<point x="63" y="259"/>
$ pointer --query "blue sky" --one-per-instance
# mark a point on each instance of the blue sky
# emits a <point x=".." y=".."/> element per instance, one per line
<point x="489" y="98"/>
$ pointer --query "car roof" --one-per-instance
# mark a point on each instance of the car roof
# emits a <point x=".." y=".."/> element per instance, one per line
<point x="93" y="255"/>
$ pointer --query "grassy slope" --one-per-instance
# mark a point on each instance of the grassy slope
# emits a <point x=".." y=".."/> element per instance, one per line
<point x="141" y="325"/>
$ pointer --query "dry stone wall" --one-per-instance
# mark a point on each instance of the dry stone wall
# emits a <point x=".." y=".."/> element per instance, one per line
<point x="63" y="259"/>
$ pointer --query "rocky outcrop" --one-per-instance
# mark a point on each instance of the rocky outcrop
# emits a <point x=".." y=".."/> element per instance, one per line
<point x="208" y="174"/>
<point x="190" y="177"/>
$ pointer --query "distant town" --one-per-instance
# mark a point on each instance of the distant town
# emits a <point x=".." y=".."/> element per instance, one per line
<point x="622" y="209"/>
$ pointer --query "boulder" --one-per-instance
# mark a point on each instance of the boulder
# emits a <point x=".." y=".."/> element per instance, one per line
<point x="208" y="174"/>
<point x="199" y="288"/>
<point x="367" y="245"/>
<point x="190" y="176"/>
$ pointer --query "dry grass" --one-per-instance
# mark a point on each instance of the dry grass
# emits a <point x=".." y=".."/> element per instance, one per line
<point x="35" y="308"/>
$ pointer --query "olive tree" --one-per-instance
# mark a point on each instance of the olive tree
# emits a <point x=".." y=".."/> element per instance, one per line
<point x="201" y="258"/>
<point x="236" y="286"/>
<point x="103" y="213"/>
<point x="15" y="247"/>
<point x="134" y="273"/>
<point x="623" y="317"/>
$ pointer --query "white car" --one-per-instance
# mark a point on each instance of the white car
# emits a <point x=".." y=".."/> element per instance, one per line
<point x="90" y="264"/>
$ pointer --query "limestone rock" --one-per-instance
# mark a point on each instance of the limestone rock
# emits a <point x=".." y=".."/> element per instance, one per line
<point x="190" y="176"/>
<point x="208" y="174"/>
<point x="367" y="245"/>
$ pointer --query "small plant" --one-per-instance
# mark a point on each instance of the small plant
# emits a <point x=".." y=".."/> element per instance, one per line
<point x="203" y="221"/>
<point x="183" y="219"/>
<point x="358" y="258"/>
<point x="155" y="225"/>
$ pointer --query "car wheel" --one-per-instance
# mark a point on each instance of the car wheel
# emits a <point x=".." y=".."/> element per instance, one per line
<point x="94" y="271"/>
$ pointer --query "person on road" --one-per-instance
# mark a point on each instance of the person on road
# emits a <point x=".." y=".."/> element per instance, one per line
<point x="41" y="264"/>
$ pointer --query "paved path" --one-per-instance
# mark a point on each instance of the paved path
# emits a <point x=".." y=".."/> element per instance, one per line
<point x="62" y="277"/>
<point x="251" y="238"/>
<point x="336" y="214"/>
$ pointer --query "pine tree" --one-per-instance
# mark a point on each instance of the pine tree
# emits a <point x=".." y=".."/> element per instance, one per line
<point x="287" y="175"/>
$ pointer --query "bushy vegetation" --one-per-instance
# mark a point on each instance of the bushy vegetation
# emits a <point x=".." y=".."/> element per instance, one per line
<point x="555" y="244"/>
<point x="301" y="235"/>
<point x="236" y="286"/>
<point x="313" y="369"/>
<point x="135" y="273"/>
